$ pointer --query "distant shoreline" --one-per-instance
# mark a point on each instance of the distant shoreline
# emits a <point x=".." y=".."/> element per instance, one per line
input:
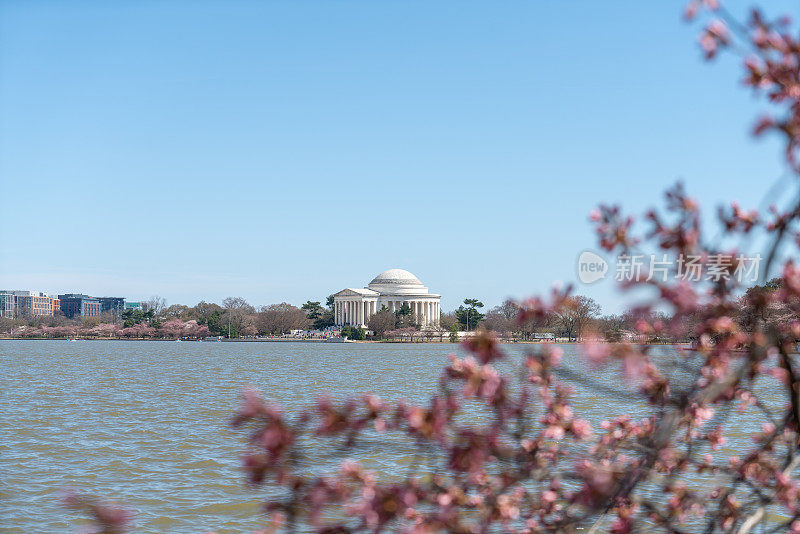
<point x="271" y="340"/>
<point x="300" y="340"/>
<point x="268" y="340"/>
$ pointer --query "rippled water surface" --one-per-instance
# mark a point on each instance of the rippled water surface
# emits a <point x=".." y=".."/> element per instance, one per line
<point x="145" y="423"/>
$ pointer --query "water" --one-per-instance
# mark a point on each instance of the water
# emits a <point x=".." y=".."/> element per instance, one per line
<point x="145" y="422"/>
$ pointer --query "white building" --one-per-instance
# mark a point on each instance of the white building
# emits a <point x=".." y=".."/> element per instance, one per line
<point x="8" y="303"/>
<point x="390" y="289"/>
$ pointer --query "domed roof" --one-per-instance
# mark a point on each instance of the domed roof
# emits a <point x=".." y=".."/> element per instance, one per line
<point x="396" y="277"/>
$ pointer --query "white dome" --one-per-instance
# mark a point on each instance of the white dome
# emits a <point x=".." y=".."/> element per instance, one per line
<point x="399" y="277"/>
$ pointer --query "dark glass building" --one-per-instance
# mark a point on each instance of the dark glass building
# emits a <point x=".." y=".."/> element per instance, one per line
<point x="115" y="305"/>
<point x="76" y="305"/>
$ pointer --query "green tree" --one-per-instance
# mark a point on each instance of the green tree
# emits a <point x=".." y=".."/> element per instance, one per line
<point x="132" y="317"/>
<point x="353" y="332"/>
<point x="468" y="314"/>
<point x="214" y="321"/>
<point x="320" y="317"/>
<point x="325" y="320"/>
<point x="313" y="310"/>
<point x="405" y="317"/>
<point x="454" y="333"/>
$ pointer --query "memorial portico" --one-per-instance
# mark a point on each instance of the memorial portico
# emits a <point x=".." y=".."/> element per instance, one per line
<point x="390" y="289"/>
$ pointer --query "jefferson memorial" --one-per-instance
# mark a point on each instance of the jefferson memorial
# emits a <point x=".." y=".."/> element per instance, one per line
<point x="391" y="289"/>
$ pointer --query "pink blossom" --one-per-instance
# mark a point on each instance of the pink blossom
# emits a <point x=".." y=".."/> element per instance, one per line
<point x="553" y="432"/>
<point x="581" y="428"/>
<point x="596" y="352"/>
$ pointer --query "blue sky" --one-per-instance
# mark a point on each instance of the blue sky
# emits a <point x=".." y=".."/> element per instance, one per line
<point x="283" y="150"/>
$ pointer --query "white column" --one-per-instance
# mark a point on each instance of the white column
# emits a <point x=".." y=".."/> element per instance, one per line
<point x="349" y="318"/>
<point x="335" y="312"/>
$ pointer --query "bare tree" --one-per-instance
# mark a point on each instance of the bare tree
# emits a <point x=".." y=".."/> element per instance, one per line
<point x="382" y="322"/>
<point x="204" y="309"/>
<point x="237" y="303"/>
<point x="502" y="319"/>
<point x="238" y="316"/>
<point x="448" y="320"/>
<point x="155" y="304"/>
<point x="178" y="311"/>
<point x="613" y="327"/>
<point x="280" y="318"/>
<point x="578" y="311"/>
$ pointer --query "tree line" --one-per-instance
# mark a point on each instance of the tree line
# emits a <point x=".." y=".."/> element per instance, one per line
<point x="581" y="317"/>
